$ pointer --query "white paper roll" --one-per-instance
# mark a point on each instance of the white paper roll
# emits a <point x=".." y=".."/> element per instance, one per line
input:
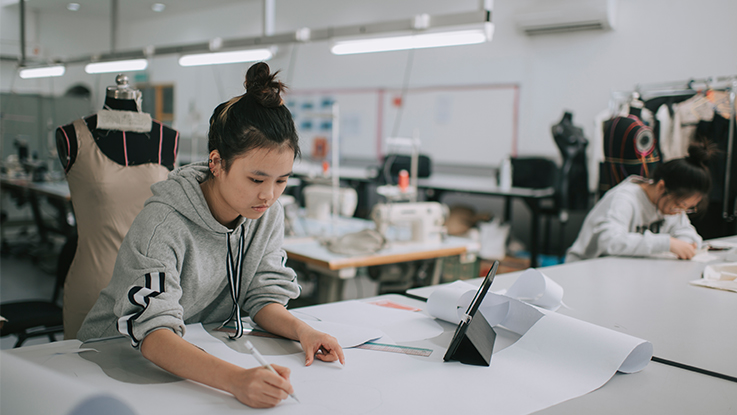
<point x="447" y="302"/>
<point x="536" y="288"/>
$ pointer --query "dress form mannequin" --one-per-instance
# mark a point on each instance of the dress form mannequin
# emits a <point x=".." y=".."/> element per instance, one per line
<point x="111" y="159"/>
<point x="574" y="174"/>
<point x="630" y="147"/>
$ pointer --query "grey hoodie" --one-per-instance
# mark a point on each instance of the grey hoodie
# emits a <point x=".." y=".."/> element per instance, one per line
<point x="172" y="266"/>
<point x="626" y="223"/>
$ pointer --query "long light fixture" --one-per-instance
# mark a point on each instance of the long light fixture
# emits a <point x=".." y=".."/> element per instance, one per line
<point x="42" y="72"/>
<point x="414" y="41"/>
<point x="130" y="65"/>
<point x="421" y="31"/>
<point x="219" y="58"/>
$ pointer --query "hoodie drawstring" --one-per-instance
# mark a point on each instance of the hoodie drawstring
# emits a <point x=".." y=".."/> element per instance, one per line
<point x="234" y="281"/>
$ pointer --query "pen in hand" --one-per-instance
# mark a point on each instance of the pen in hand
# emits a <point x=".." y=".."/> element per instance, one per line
<point x="264" y="363"/>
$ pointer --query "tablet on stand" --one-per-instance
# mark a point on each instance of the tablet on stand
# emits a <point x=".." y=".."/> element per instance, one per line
<point x="473" y="341"/>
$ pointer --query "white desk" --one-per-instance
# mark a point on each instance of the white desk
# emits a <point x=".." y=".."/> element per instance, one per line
<point x="56" y="193"/>
<point x="658" y="389"/>
<point x="650" y="299"/>
<point x="440" y="183"/>
<point x="334" y="268"/>
<point x="480" y="184"/>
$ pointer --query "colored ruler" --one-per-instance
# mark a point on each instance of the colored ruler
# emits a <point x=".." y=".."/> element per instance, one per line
<point x="395" y="348"/>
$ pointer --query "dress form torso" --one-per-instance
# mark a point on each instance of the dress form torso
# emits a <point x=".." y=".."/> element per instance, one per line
<point x="128" y="148"/>
<point x="109" y="173"/>
<point x="573" y="186"/>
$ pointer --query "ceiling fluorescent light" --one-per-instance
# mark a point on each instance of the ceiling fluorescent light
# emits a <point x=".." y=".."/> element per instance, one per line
<point x="219" y="58"/>
<point x="418" y="41"/>
<point x="42" y="72"/>
<point x="116" y="66"/>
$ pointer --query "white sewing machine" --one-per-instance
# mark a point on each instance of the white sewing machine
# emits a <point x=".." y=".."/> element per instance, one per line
<point x="319" y="201"/>
<point x="427" y="220"/>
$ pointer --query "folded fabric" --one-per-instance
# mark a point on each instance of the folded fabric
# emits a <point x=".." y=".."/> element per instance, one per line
<point x="719" y="276"/>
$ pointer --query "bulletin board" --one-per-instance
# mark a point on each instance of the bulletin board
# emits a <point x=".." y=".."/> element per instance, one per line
<point x="359" y="120"/>
<point x="473" y="125"/>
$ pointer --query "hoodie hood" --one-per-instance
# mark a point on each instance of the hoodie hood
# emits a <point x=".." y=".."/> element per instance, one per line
<point x="182" y="193"/>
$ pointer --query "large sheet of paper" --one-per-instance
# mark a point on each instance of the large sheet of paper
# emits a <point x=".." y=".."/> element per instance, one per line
<point x="399" y="325"/>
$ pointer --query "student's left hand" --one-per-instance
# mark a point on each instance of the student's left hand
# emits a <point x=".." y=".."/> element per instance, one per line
<point x="320" y="345"/>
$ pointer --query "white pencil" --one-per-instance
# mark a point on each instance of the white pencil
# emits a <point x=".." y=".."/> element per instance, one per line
<point x="264" y="363"/>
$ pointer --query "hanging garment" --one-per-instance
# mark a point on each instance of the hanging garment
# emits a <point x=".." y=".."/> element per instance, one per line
<point x="716" y="131"/>
<point x="712" y="223"/>
<point x="670" y="140"/>
<point x="106" y="197"/>
<point x="689" y="113"/>
<point x="629" y="148"/>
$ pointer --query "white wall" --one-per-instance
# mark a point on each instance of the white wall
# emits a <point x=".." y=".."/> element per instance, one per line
<point x="654" y="41"/>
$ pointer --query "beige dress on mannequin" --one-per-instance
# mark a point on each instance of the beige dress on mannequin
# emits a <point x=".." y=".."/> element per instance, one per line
<point x="106" y="197"/>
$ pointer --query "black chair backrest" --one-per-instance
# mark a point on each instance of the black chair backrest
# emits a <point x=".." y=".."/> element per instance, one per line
<point x="534" y="172"/>
<point x="394" y="163"/>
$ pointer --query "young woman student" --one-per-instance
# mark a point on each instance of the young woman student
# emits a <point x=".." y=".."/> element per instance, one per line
<point x="208" y="244"/>
<point x="641" y="217"/>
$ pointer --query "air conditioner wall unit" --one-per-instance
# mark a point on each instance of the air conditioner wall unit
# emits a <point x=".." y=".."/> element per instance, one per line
<point x="554" y="16"/>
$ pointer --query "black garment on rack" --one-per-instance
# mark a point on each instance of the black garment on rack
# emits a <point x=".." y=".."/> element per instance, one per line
<point x="712" y="223"/>
<point x="717" y="132"/>
<point x="653" y="104"/>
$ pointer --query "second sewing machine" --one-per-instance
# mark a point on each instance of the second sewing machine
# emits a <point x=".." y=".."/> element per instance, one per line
<point x="426" y="222"/>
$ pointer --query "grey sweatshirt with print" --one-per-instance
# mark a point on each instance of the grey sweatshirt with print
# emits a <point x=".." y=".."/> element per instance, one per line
<point x="626" y="223"/>
<point x="171" y="269"/>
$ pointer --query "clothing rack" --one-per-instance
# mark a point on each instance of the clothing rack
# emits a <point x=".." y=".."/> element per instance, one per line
<point x="653" y="90"/>
<point x="694" y="85"/>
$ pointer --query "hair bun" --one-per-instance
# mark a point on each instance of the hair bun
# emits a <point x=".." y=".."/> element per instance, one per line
<point x="700" y="151"/>
<point x="262" y="85"/>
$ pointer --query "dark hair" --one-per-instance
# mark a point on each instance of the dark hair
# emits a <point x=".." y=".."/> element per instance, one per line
<point x="687" y="176"/>
<point x="256" y="119"/>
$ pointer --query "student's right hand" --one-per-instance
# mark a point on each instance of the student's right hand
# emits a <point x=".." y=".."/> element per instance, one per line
<point x="682" y="249"/>
<point x="261" y="388"/>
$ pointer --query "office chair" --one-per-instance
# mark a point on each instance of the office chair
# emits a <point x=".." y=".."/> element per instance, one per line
<point x="33" y="318"/>
<point x="539" y="173"/>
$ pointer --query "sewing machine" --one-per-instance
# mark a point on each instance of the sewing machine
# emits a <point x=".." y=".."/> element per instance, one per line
<point x="319" y="200"/>
<point x="427" y="220"/>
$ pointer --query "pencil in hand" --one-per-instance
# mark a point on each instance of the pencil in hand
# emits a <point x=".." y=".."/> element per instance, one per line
<point x="264" y="363"/>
